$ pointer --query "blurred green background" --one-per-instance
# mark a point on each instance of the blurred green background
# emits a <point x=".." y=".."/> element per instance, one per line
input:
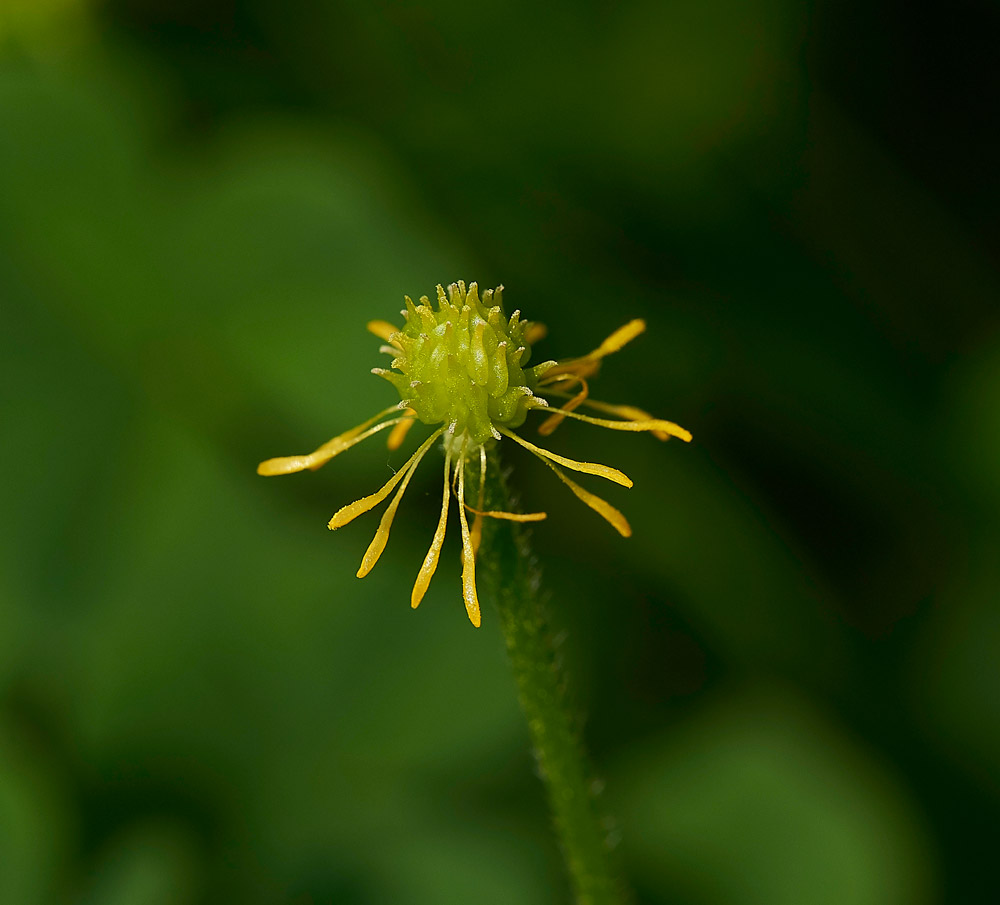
<point x="789" y="672"/>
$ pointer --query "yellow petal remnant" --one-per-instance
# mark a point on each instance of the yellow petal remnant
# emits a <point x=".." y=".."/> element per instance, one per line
<point x="352" y="510"/>
<point x="509" y="516"/>
<point x="378" y="543"/>
<point x="460" y="366"/>
<point x="398" y="434"/>
<point x="590" y="363"/>
<point x="477" y="524"/>
<point x="602" y="507"/>
<point x="319" y="457"/>
<point x="468" y="556"/>
<point x="535" y="332"/>
<point x="653" y="424"/>
<point x="618" y="339"/>
<point x="574" y="402"/>
<point x="430" y="562"/>
<point x="383" y="330"/>
<point x="602" y="471"/>
<point x="626" y="412"/>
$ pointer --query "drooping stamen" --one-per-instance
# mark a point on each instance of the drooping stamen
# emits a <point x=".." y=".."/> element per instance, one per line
<point x="601" y="471"/>
<point x="535" y="332"/>
<point x="554" y="420"/>
<point x="626" y="412"/>
<point x="352" y="510"/>
<point x="509" y="516"/>
<point x="545" y="380"/>
<point x="381" y="538"/>
<point x="577" y="367"/>
<point x="319" y="457"/>
<point x="383" y="330"/>
<point x="618" y="339"/>
<point x="587" y="364"/>
<point x="454" y="477"/>
<point x="398" y="434"/>
<point x="653" y="424"/>
<point x="601" y="507"/>
<point x="430" y="562"/>
<point x="477" y="523"/>
<point x="468" y="557"/>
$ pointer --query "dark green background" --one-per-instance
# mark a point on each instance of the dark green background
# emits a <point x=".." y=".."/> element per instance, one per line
<point x="789" y="672"/>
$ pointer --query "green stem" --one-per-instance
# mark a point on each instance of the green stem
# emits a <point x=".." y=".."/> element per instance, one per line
<point x="510" y="572"/>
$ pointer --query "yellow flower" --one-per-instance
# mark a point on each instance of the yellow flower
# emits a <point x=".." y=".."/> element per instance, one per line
<point x="461" y="366"/>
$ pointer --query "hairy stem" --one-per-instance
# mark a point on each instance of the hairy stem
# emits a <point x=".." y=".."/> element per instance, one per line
<point x="511" y="574"/>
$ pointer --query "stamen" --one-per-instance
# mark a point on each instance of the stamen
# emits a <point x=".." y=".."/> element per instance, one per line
<point x="535" y="332"/>
<point x="618" y="339"/>
<point x="601" y="471"/>
<point x="383" y="330"/>
<point x="653" y="424"/>
<point x="399" y="432"/>
<point x="454" y="476"/>
<point x="588" y="364"/>
<point x="547" y="380"/>
<point x="319" y="457"/>
<point x="352" y="510"/>
<point x="509" y="516"/>
<point x="378" y="543"/>
<point x="553" y="421"/>
<point x="430" y="562"/>
<point x="601" y="507"/>
<point x="579" y="367"/>
<point x="477" y="524"/>
<point x="468" y="557"/>
<point x="627" y="412"/>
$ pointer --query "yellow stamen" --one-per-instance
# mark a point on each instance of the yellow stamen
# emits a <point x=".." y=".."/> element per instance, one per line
<point x="322" y="455"/>
<point x="653" y="424"/>
<point x="383" y="330"/>
<point x="509" y="516"/>
<point x="430" y="562"/>
<point x="618" y="339"/>
<point x="476" y="533"/>
<point x="468" y="557"/>
<point x="627" y="412"/>
<point x="601" y="507"/>
<point x="477" y="522"/>
<point x="352" y="510"/>
<point x="399" y="432"/>
<point x="535" y="332"/>
<point x="575" y="367"/>
<point x="558" y="378"/>
<point x="589" y="363"/>
<point x="553" y="421"/>
<point x="381" y="537"/>
<point x="601" y="471"/>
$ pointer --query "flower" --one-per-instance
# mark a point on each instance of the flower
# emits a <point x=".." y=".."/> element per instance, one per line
<point x="461" y="366"/>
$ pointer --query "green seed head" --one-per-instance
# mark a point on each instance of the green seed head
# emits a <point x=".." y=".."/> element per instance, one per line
<point x="462" y="363"/>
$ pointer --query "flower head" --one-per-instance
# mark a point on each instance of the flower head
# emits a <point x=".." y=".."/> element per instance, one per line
<point x="462" y="366"/>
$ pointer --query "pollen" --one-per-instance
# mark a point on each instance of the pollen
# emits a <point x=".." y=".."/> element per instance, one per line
<point x="460" y="365"/>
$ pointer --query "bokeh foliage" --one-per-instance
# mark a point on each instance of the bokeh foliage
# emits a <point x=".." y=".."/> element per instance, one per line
<point x="789" y="671"/>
